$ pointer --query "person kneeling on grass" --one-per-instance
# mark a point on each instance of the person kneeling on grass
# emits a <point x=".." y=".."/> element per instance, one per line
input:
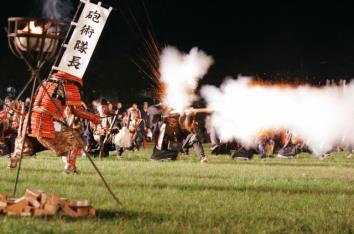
<point x="104" y="132"/>
<point x="189" y="127"/>
<point x="264" y="146"/>
<point x="176" y="135"/>
<point x="292" y="146"/>
<point x="242" y="152"/>
<point x="135" y="131"/>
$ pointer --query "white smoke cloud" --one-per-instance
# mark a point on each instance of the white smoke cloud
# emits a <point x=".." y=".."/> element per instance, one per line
<point x="322" y="117"/>
<point x="57" y="9"/>
<point x="180" y="74"/>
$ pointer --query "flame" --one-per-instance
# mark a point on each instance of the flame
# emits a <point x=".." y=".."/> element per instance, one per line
<point x="32" y="28"/>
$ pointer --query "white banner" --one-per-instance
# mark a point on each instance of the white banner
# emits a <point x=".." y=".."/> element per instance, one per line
<point x="84" y="39"/>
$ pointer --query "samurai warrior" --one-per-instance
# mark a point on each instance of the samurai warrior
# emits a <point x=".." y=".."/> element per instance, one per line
<point x="56" y="98"/>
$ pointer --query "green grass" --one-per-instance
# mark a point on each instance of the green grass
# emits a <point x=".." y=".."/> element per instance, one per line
<point x="303" y="195"/>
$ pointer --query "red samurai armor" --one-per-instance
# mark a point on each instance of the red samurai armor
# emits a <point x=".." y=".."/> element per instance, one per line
<point x="56" y="93"/>
<point x="53" y="95"/>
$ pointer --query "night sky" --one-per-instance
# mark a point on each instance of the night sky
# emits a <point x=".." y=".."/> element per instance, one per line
<point x="293" y="42"/>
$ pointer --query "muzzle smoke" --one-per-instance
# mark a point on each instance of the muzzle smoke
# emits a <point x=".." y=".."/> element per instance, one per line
<point x="180" y="74"/>
<point x="322" y="117"/>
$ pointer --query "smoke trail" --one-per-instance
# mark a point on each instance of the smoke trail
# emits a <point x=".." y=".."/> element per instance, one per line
<point x="322" y="117"/>
<point x="180" y="74"/>
<point x="57" y="9"/>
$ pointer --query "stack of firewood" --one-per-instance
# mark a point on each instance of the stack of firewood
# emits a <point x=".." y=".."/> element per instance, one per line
<point x="38" y="203"/>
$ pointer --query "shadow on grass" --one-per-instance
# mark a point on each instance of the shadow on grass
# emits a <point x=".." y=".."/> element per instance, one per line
<point x="131" y="215"/>
<point x="227" y="188"/>
<point x="104" y="215"/>
<point x="288" y="163"/>
<point x="262" y="189"/>
<point x="56" y="172"/>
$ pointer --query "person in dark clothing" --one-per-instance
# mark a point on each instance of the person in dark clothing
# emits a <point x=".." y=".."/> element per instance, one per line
<point x="243" y="153"/>
<point x="189" y="126"/>
<point x="266" y="142"/>
<point x="218" y="147"/>
<point x="145" y="114"/>
<point x="292" y="146"/>
<point x="91" y="144"/>
<point x="177" y="134"/>
<point x="168" y="143"/>
<point x="146" y="117"/>
<point x="11" y="123"/>
<point x="120" y="109"/>
<point x="264" y="147"/>
<point x="155" y="120"/>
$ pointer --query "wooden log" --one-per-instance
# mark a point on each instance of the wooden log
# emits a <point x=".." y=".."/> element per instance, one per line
<point x="69" y="212"/>
<point x="39" y="204"/>
<point x="34" y="202"/>
<point x="44" y="199"/>
<point x="63" y="201"/>
<point x="54" y="199"/>
<point x="13" y="213"/>
<point x="26" y="214"/>
<point x="92" y="211"/>
<point x="83" y="211"/>
<point x="51" y="209"/>
<point x="3" y="204"/>
<point x="3" y="197"/>
<point x="21" y="199"/>
<point x="33" y="194"/>
<point x="29" y="209"/>
<point x="18" y="207"/>
<point x="10" y="201"/>
<point x="39" y="213"/>
<point x="33" y="197"/>
<point x="78" y="203"/>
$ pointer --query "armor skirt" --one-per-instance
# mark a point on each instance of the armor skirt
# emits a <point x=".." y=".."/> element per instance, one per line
<point x="64" y="141"/>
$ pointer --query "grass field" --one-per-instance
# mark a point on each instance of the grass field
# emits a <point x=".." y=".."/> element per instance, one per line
<point x="304" y="195"/>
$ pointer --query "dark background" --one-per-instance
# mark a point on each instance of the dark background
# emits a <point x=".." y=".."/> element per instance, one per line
<point x="283" y="42"/>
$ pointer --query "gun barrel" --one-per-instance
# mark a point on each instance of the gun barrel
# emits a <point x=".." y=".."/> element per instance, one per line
<point x="201" y="110"/>
<point x="191" y="110"/>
